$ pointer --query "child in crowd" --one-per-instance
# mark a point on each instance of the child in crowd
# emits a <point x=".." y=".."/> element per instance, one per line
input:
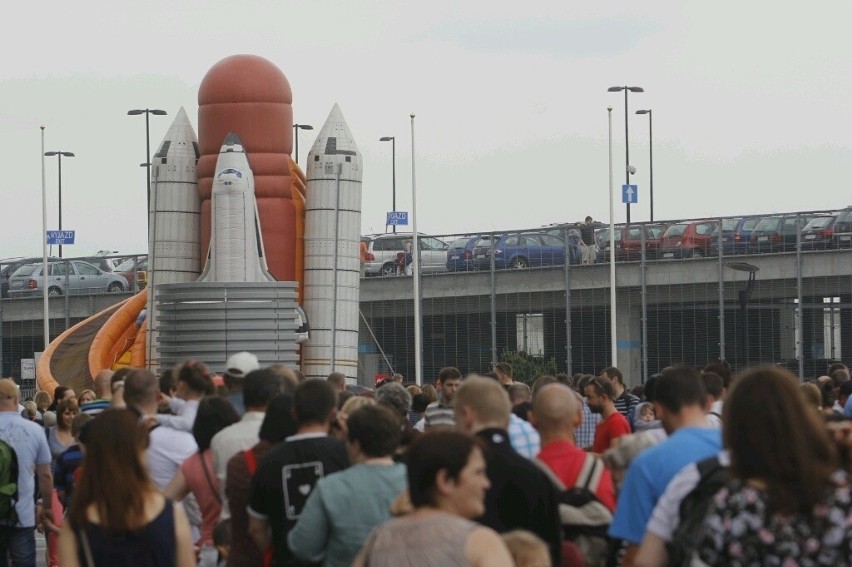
<point x="646" y="413"/>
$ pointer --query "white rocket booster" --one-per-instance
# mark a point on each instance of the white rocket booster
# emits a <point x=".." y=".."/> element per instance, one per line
<point x="236" y="247"/>
<point x="332" y="238"/>
<point x="174" y="217"/>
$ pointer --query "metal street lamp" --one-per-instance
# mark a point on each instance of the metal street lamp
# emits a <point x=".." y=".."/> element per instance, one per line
<point x="296" y="128"/>
<point x="392" y="140"/>
<point x="59" y="155"/>
<point x="744" y="295"/>
<point x="626" y="90"/>
<point x="651" y="157"/>
<point x="147" y="164"/>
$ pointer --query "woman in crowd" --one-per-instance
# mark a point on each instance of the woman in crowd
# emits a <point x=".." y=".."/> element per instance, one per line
<point x="197" y="474"/>
<point x="278" y="424"/>
<point x="345" y="506"/>
<point x="446" y="484"/>
<point x="126" y="523"/>
<point x="59" y="437"/>
<point x="787" y="502"/>
<point x="86" y="396"/>
<point x="42" y="400"/>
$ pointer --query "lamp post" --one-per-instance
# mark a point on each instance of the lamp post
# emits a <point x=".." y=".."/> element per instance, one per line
<point x="651" y="157"/>
<point x="744" y="295"/>
<point x="626" y="90"/>
<point x="392" y="140"/>
<point x="147" y="164"/>
<point x="59" y="155"/>
<point x="296" y="128"/>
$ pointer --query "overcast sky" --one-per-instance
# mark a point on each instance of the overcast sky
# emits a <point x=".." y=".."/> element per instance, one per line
<point x="751" y="102"/>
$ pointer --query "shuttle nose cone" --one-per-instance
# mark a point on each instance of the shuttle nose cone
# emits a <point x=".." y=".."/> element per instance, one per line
<point x="232" y="143"/>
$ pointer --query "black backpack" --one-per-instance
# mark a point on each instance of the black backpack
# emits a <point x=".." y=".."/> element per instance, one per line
<point x="8" y="484"/>
<point x="712" y="476"/>
<point x="585" y="519"/>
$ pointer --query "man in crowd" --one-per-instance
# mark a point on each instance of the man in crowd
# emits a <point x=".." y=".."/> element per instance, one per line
<point x="521" y="495"/>
<point x="587" y="241"/>
<point x="338" y="380"/>
<point x="440" y="413"/>
<point x="27" y="440"/>
<point x="259" y="388"/>
<point x="600" y="396"/>
<point x="624" y="401"/>
<point x="236" y="369"/>
<point x="503" y="370"/>
<point x="679" y="400"/>
<point x="290" y="470"/>
<point x="584" y="433"/>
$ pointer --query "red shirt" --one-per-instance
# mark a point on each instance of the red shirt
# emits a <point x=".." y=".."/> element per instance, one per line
<point x="566" y="460"/>
<point x="608" y="429"/>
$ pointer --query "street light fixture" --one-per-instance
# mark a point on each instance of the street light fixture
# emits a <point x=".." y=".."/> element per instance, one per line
<point x="651" y="157"/>
<point x="392" y="140"/>
<point x="59" y="155"/>
<point x="626" y="90"/>
<point x="147" y="164"/>
<point x="296" y="128"/>
<point x="744" y="295"/>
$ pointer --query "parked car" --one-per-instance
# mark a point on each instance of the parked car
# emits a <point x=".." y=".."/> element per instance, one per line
<point x="629" y="247"/>
<point x="687" y="240"/>
<point x="385" y="247"/>
<point x="72" y="277"/>
<point x="460" y="254"/>
<point x="777" y="233"/>
<point x="602" y="242"/>
<point x="135" y="271"/>
<point x="8" y="267"/>
<point x="520" y="250"/>
<point x="842" y="229"/>
<point x="736" y="233"/>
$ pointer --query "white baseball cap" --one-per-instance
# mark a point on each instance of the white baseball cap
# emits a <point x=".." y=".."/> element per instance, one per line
<point x="240" y="364"/>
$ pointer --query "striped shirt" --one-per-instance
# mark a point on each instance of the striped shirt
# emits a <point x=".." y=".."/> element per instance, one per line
<point x="95" y="407"/>
<point x="625" y="404"/>
<point x="438" y="414"/>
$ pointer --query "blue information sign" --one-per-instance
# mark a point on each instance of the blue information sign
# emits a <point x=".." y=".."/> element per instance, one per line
<point x="630" y="194"/>
<point x="397" y="218"/>
<point x="63" y="237"/>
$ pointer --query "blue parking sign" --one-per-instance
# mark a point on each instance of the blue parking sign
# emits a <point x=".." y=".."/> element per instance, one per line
<point x="61" y="237"/>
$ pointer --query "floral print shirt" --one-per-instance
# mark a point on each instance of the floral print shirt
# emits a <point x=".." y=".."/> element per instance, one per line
<point x="739" y="531"/>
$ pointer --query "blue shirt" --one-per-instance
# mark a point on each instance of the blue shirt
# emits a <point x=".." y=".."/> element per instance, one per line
<point x="650" y="473"/>
<point x="847" y="409"/>
<point x="30" y="445"/>
<point x="523" y="437"/>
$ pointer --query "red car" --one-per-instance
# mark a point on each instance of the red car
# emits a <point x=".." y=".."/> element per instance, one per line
<point x="687" y="240"/>
<point x="630" y="245"/>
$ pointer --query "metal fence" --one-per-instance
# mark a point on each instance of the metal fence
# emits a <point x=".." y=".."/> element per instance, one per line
<point x="747" y="299"/>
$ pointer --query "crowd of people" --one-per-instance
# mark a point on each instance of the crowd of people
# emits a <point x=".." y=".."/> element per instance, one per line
<point x="262" y="467"/>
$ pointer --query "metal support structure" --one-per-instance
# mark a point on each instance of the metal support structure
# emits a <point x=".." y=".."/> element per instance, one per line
<point x="418" y="322"/>
<point x="147" y="165"/>
<point x="800" y="350"/>
<point x="392" y="140"/>
<point x="46" y="319"/>
<point x="644" y="295"/>
<point x="626" y="90"/>
<point x="721" y="298"/>
<point x="494" y="358"/>
<point x="569" y="363"/>
<point x="613" y="330"/>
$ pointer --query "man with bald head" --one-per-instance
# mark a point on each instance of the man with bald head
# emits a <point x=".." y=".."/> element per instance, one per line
<point x="557" y="411"/>
<point x="103" y="391"/>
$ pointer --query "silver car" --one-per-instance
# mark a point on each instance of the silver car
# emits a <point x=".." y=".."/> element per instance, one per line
<point x="73" y="277"/>
<point x="385" y="247"/>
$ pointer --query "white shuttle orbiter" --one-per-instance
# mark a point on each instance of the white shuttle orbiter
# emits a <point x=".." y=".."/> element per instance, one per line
<point x="236" y="247"/>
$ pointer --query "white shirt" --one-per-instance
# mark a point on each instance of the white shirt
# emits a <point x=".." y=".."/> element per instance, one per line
<point x="238" y="437"/>
<point x="185" y="412"/>
<point x="167" y="450"/>
<point x="713" y="417"/>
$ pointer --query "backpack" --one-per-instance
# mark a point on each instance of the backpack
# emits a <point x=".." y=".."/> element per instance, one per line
<point x="585" y="519"/>
<point x="712" y="476"/>
<point x="8" y="484"/>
